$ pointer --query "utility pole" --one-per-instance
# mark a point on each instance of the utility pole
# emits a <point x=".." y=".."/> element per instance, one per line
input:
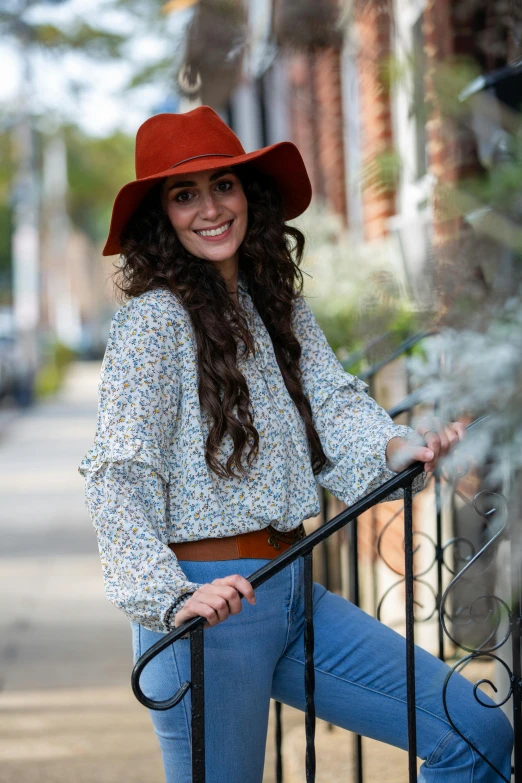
<point x="26" y="236"/>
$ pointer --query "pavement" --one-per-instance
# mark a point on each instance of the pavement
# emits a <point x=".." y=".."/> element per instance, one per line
<point x="67" y="712"/>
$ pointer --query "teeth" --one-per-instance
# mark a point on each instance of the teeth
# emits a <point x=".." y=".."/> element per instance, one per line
<point x="215" y="232"/>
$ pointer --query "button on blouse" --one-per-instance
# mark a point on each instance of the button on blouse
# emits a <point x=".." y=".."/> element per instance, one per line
<point x="146" y="479"/>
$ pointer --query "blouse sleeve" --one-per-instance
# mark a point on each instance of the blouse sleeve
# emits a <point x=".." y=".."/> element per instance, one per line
<point x="127" y="471"/>
<point x="128" y="506"/>
<point x="354" y="430"/>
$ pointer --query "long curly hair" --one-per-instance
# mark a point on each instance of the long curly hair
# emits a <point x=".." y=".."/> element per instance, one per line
<point x="153" y="257"/>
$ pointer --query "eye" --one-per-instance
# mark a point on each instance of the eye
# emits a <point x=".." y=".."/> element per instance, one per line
<point x="224" y="185"/>
<point x="183" y="197"/>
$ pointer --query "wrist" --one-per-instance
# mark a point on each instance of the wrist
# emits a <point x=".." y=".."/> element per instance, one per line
<point x="170" y="614"/>
<point x="392" y="446"/>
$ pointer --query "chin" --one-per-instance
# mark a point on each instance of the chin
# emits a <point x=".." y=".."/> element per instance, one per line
<point x="221" y="253"/>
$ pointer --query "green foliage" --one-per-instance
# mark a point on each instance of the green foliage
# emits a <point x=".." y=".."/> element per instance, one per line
<point x="84" y="37"/>
<point x="63" y="355"/>
<point x="97" y="167"/>
<point x="7" y="167"/>
<point x="160" y="70"/>
<point x="383" y="171"/>
<point x="348" y="331"/>
<point x="499" y="188"/>
<point x="5" y="238"/>
<point x="340" y="329"/>
<point x="17" y="24"/>
<point x="52" y="372"/>
<point x="449" y="79"/>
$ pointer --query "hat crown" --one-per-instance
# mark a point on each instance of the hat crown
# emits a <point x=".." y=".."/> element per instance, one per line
<point x="167" y="140"/>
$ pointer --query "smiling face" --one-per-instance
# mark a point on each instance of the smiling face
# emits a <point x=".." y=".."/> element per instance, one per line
<point x="208" y="211"/>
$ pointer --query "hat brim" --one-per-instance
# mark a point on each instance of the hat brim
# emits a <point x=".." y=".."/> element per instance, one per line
<point x="282" y="161"/>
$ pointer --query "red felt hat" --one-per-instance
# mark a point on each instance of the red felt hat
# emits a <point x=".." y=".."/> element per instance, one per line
<point x="199" y="140"/>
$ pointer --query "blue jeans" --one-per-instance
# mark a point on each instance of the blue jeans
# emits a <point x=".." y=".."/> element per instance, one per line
<point x="360" y="677"/>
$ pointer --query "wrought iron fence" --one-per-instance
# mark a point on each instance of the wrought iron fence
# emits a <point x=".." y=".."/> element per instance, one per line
<point x="504" y="611"/>
<point x="470" y="617"/>
<point x="473" y="621"/>
<point x="303" y="549"/>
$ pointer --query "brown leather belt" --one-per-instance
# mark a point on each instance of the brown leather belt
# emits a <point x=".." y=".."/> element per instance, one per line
<point x="260" y="544"/>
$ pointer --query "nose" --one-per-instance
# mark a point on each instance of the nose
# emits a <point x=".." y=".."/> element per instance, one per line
<point x="209" y="208"/>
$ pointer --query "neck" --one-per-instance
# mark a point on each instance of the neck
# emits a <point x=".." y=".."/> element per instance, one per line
<point x="229" y="272"/>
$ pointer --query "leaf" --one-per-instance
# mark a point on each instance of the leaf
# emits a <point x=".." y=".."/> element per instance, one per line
<point x="151" y="73"/>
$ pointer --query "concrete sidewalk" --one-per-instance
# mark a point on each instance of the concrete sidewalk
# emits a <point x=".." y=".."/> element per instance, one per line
<point x="66" y="709"/>
<point x="67" y="712"/>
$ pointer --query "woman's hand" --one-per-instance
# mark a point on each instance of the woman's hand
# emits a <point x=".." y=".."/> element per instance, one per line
<point x="438" y="438"/>
<point x="216" y="601"/>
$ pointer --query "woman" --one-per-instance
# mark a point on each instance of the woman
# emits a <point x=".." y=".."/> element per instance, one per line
<point x="221" y="407"/>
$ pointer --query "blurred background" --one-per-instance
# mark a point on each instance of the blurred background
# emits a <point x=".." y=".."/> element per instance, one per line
<point x="407" y="113"/>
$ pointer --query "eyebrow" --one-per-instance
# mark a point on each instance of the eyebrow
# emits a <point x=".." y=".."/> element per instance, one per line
<point x="191" y="184"/>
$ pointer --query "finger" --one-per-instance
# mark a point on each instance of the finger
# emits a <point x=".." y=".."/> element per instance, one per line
<point x="444" y="442"/>
<point x="218" y="604"/>
<point x="241" y="584"/>
<point x="210" y="594"/>
<point x="444" y="446"/>
<point x="433" y="442"/>
<point x="432" y="430"/>
<point x="422" y="454"/>
<point x="230" y="595"/>
<point x="460" y="429"/>
<point x="451" y="435"/>
<point x="195" y="608"/>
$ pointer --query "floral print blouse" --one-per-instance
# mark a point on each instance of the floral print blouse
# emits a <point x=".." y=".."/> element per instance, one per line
<point x="147" y="482"/>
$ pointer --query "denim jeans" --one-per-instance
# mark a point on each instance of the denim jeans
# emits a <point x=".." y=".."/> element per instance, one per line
<point x="360" y="685"/>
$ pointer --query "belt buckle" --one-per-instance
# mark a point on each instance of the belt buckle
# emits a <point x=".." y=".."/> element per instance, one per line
<point x="276" y="538"/>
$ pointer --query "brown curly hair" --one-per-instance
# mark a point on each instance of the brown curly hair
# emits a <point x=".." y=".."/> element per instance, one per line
<point x="153" y="257"/>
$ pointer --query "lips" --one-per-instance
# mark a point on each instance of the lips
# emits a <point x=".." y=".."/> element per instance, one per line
<point x="215" y="236"/>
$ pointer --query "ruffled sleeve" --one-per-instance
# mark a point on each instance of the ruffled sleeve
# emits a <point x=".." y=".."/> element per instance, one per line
<point x="354" y="430"/>
<point x="127" y="470"/>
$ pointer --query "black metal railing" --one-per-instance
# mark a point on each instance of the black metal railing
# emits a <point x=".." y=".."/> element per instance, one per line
<point x="466" y="609"/>
<point x="448" y="600"/>
<point x="410" y="578"/>
<point x="510" y="610"/>
<point x="303" y="549"/>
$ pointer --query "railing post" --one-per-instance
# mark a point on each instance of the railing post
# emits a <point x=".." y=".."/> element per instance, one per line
<point x="410" y="633"/>
<point x="197" y="676"/>
<point x="516" y="631"/>
<point x="309" y="667"/>
<point x="324" y="546"/>
<point x="355" y="598"/>
<point x="278" y="742"/>
<point x="439" y="554"/>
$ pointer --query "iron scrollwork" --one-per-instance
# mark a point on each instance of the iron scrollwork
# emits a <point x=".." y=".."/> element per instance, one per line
<point x="481" y="622"/>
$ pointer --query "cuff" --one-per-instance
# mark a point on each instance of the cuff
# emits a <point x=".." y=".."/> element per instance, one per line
<point x="167" y="617"/>
<point x="401" y="431"/>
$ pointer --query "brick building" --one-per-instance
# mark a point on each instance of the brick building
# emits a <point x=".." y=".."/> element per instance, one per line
<point x="358" y="85"/>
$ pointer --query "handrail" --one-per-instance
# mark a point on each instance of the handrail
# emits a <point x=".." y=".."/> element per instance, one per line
<point x="356" y="356"/>
<point x="406" y="404"/>
<point x="301" y="548"/>
<point x="410" y="342"/>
